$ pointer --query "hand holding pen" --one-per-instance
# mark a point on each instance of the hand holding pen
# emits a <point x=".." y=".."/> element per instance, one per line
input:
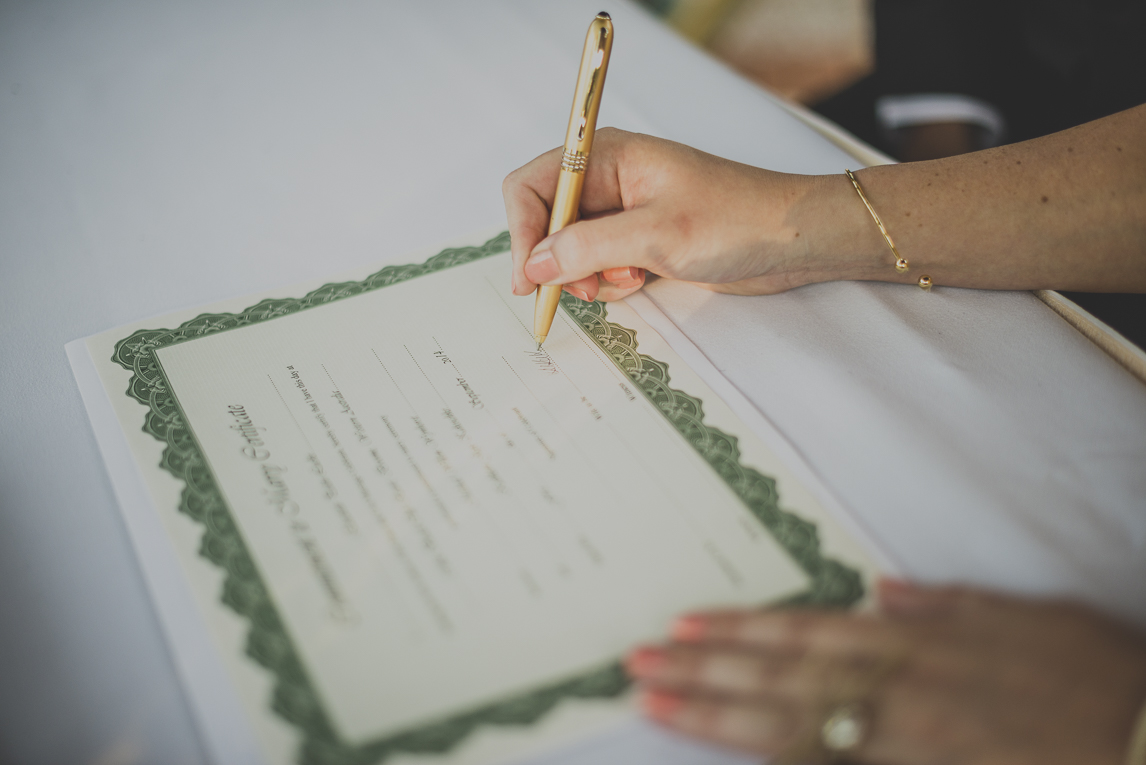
<point x="575" y="155"/>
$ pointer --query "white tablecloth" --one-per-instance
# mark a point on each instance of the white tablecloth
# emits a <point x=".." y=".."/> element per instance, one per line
<point x="164" y="154"/>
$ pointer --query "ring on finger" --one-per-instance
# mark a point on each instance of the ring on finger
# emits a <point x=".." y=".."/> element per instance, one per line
<point x="845" y="729"/>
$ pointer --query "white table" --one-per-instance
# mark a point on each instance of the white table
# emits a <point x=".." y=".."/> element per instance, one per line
<point x="164" y="154"/>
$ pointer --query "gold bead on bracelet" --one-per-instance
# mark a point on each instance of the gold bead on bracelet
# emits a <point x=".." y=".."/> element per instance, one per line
<point x="901" y="264"/>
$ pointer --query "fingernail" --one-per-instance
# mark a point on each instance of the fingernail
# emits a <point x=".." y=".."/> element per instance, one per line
<point x="898" y="592"/>
<point x="897" y="596"/>
<point x="541" y="268"/>
<point x="644" y="661"/>
<point x="688" y="629"/>
<point x="579" y="294"/>
<point x="513" y="283"/>
<point x="623" y="274"/>
<point x="896" y="586"/>
<point x="661" y="705"/>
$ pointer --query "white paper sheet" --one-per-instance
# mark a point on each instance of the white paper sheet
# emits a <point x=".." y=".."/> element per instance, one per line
<point x="441" y="517"/>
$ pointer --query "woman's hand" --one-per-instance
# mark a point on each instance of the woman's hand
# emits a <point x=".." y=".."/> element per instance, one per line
<point x="1066" y="211"/>
<point x="948" y="675"/>
<point x="655" y="205"/>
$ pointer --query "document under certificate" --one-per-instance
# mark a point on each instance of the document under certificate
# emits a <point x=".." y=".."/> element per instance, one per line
<point x="417" y="525"/>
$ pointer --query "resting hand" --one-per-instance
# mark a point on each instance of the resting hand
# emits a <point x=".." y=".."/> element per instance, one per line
<point x="949" y="676"/>
<point x="675" y="211"/>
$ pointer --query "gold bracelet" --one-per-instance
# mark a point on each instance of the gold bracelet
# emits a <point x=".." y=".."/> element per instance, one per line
<point x="900" y="262"/>
<point x="1136" y="754"/>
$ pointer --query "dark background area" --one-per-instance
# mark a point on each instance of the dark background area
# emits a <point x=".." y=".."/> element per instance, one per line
<point x="1045" y="65"/>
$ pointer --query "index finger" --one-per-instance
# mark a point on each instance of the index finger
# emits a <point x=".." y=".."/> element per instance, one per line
<point x="796" y="631"/>
<point x="527" y="207"/>
<point x="529" y="192"/>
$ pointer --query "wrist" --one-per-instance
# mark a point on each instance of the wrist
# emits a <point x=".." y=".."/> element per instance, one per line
<point x="841" y="241"/>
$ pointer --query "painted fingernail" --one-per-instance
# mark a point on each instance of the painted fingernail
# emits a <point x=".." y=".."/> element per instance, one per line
<point x="896" y="586"/>
<point x="579" y="294"/>
<point x="900" y="597"/>
<point x="645" y="661"/>
<point x="541" y="267"/>
<point x="688" y="629"/>
<point x="898" y="593"/>
<point x="661" y="705"/>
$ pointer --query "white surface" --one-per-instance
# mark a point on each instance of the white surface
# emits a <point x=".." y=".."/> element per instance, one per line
<point x="214" y="705"/>
<point x="169" y="154"/>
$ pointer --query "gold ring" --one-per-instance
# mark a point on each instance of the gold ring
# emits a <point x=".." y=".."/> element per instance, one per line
<point x="844" y="729"/>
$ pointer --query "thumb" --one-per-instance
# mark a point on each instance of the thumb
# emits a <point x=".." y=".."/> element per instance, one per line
<point x="590" y="246"/>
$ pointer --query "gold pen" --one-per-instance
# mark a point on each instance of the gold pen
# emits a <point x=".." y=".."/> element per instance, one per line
<point x="575" y="157"/>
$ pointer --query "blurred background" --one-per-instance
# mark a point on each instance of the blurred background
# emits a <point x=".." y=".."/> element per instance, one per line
<point x="925" y="79"/>
<point x="804" y="50"/>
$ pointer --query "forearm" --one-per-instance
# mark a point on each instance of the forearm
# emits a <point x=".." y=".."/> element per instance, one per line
<point x="1067" y="211"/>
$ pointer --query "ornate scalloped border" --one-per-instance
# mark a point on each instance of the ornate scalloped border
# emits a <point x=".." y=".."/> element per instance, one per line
<point x="294" y="698"/>
<point x="833" y="584"/>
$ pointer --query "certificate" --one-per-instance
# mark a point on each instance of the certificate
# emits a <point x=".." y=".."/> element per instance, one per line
<point x="408" y="528"/>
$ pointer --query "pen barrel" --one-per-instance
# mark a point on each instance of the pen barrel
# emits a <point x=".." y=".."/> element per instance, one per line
<point x="575" y="157"/>
<point x="565" y="211"/>
<point x="567" y="200"/>
<point x="544" y="310"/>
<point x="590" y="84"/>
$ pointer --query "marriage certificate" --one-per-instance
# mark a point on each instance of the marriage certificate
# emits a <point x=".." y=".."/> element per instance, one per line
<point x="404" y="524"/>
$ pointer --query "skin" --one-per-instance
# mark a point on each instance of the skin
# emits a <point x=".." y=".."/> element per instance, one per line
<point x="949" y="676"/>
<point x="1067" y="211"/>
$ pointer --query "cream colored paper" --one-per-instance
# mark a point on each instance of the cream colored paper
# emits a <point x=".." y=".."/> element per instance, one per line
<point x="446" y="517"/>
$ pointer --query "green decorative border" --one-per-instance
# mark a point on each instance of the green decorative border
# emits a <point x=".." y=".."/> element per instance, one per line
<point x="833" y="584"/>
<point x="294" y="697"/>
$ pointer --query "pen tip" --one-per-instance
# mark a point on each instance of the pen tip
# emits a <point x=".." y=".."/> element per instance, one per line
<point x="539" y="345"/>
